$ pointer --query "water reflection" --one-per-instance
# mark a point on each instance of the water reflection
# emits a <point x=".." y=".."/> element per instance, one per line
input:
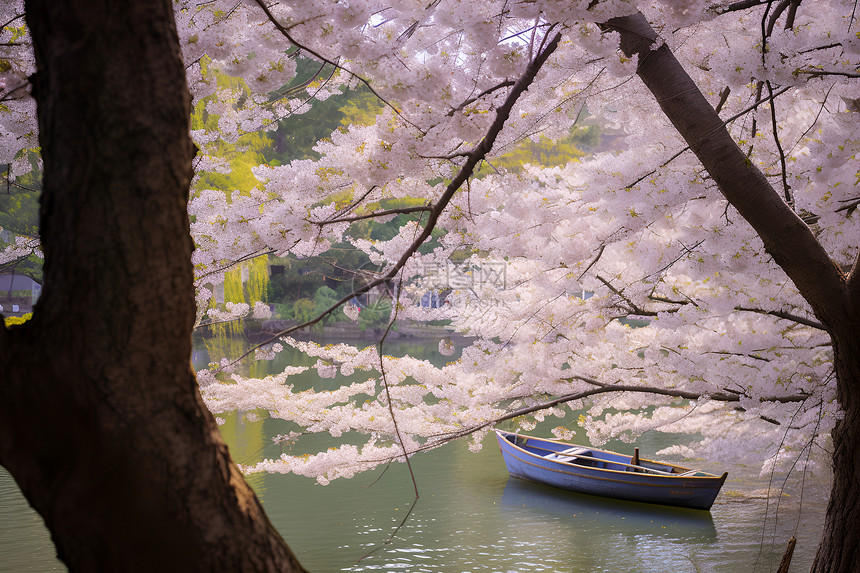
<point x="471" y="517"/>
<point x="546" y="505"/>
<point x="25" y="544"/>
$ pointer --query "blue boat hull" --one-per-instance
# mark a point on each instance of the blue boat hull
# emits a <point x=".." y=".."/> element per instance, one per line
<point x="608" y="474"/>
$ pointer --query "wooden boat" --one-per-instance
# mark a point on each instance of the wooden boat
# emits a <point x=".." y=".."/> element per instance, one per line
<point x="609" y="474"/>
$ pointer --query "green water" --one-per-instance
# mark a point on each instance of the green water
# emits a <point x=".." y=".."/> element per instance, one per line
<point x="470" y="517"/>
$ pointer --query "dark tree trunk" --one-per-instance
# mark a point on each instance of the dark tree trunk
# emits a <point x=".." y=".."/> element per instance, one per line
<point x="839" y="549"/>
<point x="833" y="295"/>
<point x="101" y="421"/>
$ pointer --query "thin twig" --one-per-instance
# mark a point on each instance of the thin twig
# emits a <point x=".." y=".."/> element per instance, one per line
<point x="317" y="55"/>
<point x="814" y="121"/>
<point x="386" y="386"/>
<point x="355" y="203"/>
<point x="785" y="186"/>
<point x="816" y="73"/>
<point x="743" y="5"/>
<point x="770" y="482"/>
<point x="235" y="262"/>
<point x="741" y="113"/>
<point x="12" y="20"/>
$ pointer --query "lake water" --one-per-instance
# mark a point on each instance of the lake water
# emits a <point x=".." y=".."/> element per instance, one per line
<point x="471" y="517"/>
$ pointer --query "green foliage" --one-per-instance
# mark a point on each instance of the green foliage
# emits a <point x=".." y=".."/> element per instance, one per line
<point x="375" y="316"/>
<point x="250" y="150"/>
<point x="19" y="214"/>
<point x="297" y="134"/>
<point x="282" y="311"/>
<point x="233" y="288"/>
<point x="30" y="266"/>
<point x="293" y="278"/>
<point x="330" y="275"/>
<point x="304" y="310"/>
<point x="324" y="299"/>
<point x="19" y="199"/>
<point x="19" y="211"/>
<point x="296" y="279"/>
<point x="276" y="290"/>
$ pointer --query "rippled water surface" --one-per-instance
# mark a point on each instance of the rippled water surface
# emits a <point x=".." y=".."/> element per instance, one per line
<point x="470" y="517"/>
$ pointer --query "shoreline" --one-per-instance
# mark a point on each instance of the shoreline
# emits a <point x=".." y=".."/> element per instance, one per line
<point x="259" y="331"/>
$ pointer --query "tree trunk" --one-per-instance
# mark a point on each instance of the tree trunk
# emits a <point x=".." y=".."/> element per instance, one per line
<point x="839" y="549"/>
<point x="833" y="296"/>
<point x="101" y="421"/>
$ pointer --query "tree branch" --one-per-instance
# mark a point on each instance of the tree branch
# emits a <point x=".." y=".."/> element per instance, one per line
<point x="780" y="8"/>
<point x="724" y="95"/>
<point x="792" y="13"/>
<point x="819" y="73"/>
<point x="777" y="313"/>
<point x="784" y="315"/>
<point x="737" y="6"/>
<point x="632" y="307"/>
<point x="504" y="84"/>
<point x="603" y="388"/>
<point x="636" y="310"/>
<point x="593" y="262"/>
<point x="402" y="211"/>
<point x="355" y="203"/>
<point x="16" y="17"/>
<point x="849" y="205"/>
<point x="667" y="300"/>
<point x="475" y="156"/>
<point x="233" y="263"/>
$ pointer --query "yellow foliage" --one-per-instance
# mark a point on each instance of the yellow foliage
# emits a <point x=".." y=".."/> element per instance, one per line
<point x="16" y="320"/>
<point x="258" y="279"/>
<point x="361" y="109"/>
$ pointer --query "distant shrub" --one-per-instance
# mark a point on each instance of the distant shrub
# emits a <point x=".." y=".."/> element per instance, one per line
<point x="303" y="310"/>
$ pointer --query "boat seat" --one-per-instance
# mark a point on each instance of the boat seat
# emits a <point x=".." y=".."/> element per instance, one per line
<point x="575" y="451"/>
<point x="570" y="454"/>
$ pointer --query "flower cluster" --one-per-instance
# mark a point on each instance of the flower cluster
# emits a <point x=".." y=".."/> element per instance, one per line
<point x="624" y="268"/>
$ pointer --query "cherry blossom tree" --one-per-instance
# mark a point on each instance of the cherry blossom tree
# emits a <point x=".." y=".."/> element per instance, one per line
<point x="725" y="218"/>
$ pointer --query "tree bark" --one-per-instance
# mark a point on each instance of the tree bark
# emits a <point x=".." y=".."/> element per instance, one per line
<point x="833" y="296"/>
<point x="101" y="421"/>
<point x="839" y="549"/>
